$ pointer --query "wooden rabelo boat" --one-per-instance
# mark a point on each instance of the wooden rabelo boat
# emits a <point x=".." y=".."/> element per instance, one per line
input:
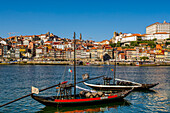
<point x="66" y="98"/>
<point x="84" y="98"/>
<point x="118" y="84"/>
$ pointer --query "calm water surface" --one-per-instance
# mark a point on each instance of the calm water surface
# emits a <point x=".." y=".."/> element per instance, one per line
<point x="16" y="81"/>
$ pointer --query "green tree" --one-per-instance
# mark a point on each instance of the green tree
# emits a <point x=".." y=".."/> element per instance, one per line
<point x="134" y="43"/>
<point x="118" y="44"/>
<point x="144" y="58"/>
<point x="115" y="44"/>
<point x="139" y="39"/>
<point x="152" y="44"/>
<point x="167" y="43"/>
<point x="127" y="45"/>
<point x="154" y="39"/>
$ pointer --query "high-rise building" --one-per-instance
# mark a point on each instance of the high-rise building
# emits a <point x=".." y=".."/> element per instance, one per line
<point x="158" y="27"/>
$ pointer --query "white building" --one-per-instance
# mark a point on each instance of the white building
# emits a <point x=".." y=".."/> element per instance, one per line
<point x="158" y="36"/>
<point x="26" y="42"/>
<point x="158" y="27"/>
<point x="148" y="37"/>
<point x="58" y="45"/>
<point x="161" y="35"/>
<point x="132" y="37"/>
<point x="42" y="36"/>
<point x="27" y="37"/>
<point x="3" y="42"/>
<point x="39" y="51"/>
<point x="135" y="37"/>
<point x="121" y="36"/>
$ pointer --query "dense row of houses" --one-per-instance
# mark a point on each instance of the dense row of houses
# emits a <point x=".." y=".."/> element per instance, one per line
<point x="155" y="55"/>
<point x="51" y="47"/>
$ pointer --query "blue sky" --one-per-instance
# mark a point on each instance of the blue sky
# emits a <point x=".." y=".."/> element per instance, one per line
<point x="95" y="19"/>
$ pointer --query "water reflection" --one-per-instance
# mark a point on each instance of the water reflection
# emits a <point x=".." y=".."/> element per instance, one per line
<point x="83" y="109"/>
<point x="146" y="91"/>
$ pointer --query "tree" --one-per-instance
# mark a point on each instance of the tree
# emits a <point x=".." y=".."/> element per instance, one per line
<point x="144" y="58"/>
<point x="118" y="44"/>
<point x="139" y="39"/>
<point x="154" y="39"/>
<point x="151" y="44"/>
<point x="127" y="45"/>
<point x="134" y="43"/>
<point x="113" y="45"/>
<point x="167" y="43"/>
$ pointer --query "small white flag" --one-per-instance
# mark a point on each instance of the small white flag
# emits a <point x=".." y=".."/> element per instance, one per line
<point x="34" y="90"/>
<point x="85" y="76"/>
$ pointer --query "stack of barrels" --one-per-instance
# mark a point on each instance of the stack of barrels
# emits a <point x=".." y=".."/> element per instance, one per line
<point x="88" y="94"/>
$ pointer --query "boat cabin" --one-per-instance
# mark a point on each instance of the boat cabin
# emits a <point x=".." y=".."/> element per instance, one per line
<point x="107" y="80"/>
<point x="65" y="90"/>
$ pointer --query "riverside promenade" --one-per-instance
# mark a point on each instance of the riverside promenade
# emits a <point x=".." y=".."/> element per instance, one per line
<point x="97" y="63"/>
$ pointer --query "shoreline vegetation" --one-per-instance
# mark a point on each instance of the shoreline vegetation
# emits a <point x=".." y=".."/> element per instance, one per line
<point x="131" y="63"/>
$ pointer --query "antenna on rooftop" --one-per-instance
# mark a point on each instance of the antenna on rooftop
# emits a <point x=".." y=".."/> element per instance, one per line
<point x="12" y="33"/>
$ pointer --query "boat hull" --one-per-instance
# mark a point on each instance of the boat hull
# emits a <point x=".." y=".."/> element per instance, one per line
<point x="120" y="87"/>
<point x="146" y="86"/>
<point x="49" y="101"/>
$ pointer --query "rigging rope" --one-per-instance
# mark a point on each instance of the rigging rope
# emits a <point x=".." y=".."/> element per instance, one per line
<point x="64" y="74"/>
<point x="71" y="75"/>
<point x="84" y="89"/>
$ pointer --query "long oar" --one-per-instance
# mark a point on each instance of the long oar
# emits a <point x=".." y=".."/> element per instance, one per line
<point x="28" y="95"/>
<point x="46" y="89"/>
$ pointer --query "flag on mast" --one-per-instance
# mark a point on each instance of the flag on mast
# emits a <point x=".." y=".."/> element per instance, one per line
<point x="111" y="69"/>
<point x="34" y="90"/>
<point x="69" y="70"/>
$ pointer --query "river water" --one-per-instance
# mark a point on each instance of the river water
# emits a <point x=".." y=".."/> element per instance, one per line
<point x="16" y="81"/>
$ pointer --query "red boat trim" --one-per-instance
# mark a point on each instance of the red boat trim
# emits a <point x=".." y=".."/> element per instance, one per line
<point x="86" y="99"/>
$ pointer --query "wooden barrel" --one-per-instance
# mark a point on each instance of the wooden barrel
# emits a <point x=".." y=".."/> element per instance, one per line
<point x="101" y="94"/>
<point x="83" y="92"/>
<point x="89" y="95"/>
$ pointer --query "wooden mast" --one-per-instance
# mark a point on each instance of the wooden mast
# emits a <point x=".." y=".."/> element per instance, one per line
<point x="74" y="66"/>
<point x="114" y="76"/>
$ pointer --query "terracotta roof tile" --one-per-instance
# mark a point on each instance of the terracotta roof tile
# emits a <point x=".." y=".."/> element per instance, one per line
<point x="161" y="33"/>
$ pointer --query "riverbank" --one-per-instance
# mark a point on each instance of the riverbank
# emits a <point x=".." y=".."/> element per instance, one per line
<point x="85" y="63"/>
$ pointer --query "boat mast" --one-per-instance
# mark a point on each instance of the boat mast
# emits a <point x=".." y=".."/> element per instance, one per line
<point x="74" y="66"/>
<point x="114" y="76"/>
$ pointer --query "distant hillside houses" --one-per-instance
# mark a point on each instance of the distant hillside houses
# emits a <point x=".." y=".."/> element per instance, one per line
<point x="130" y="47"/>
<point x="158" y="31"/>
<point x="49" y="46"/>
<point x="135" y="37"/>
